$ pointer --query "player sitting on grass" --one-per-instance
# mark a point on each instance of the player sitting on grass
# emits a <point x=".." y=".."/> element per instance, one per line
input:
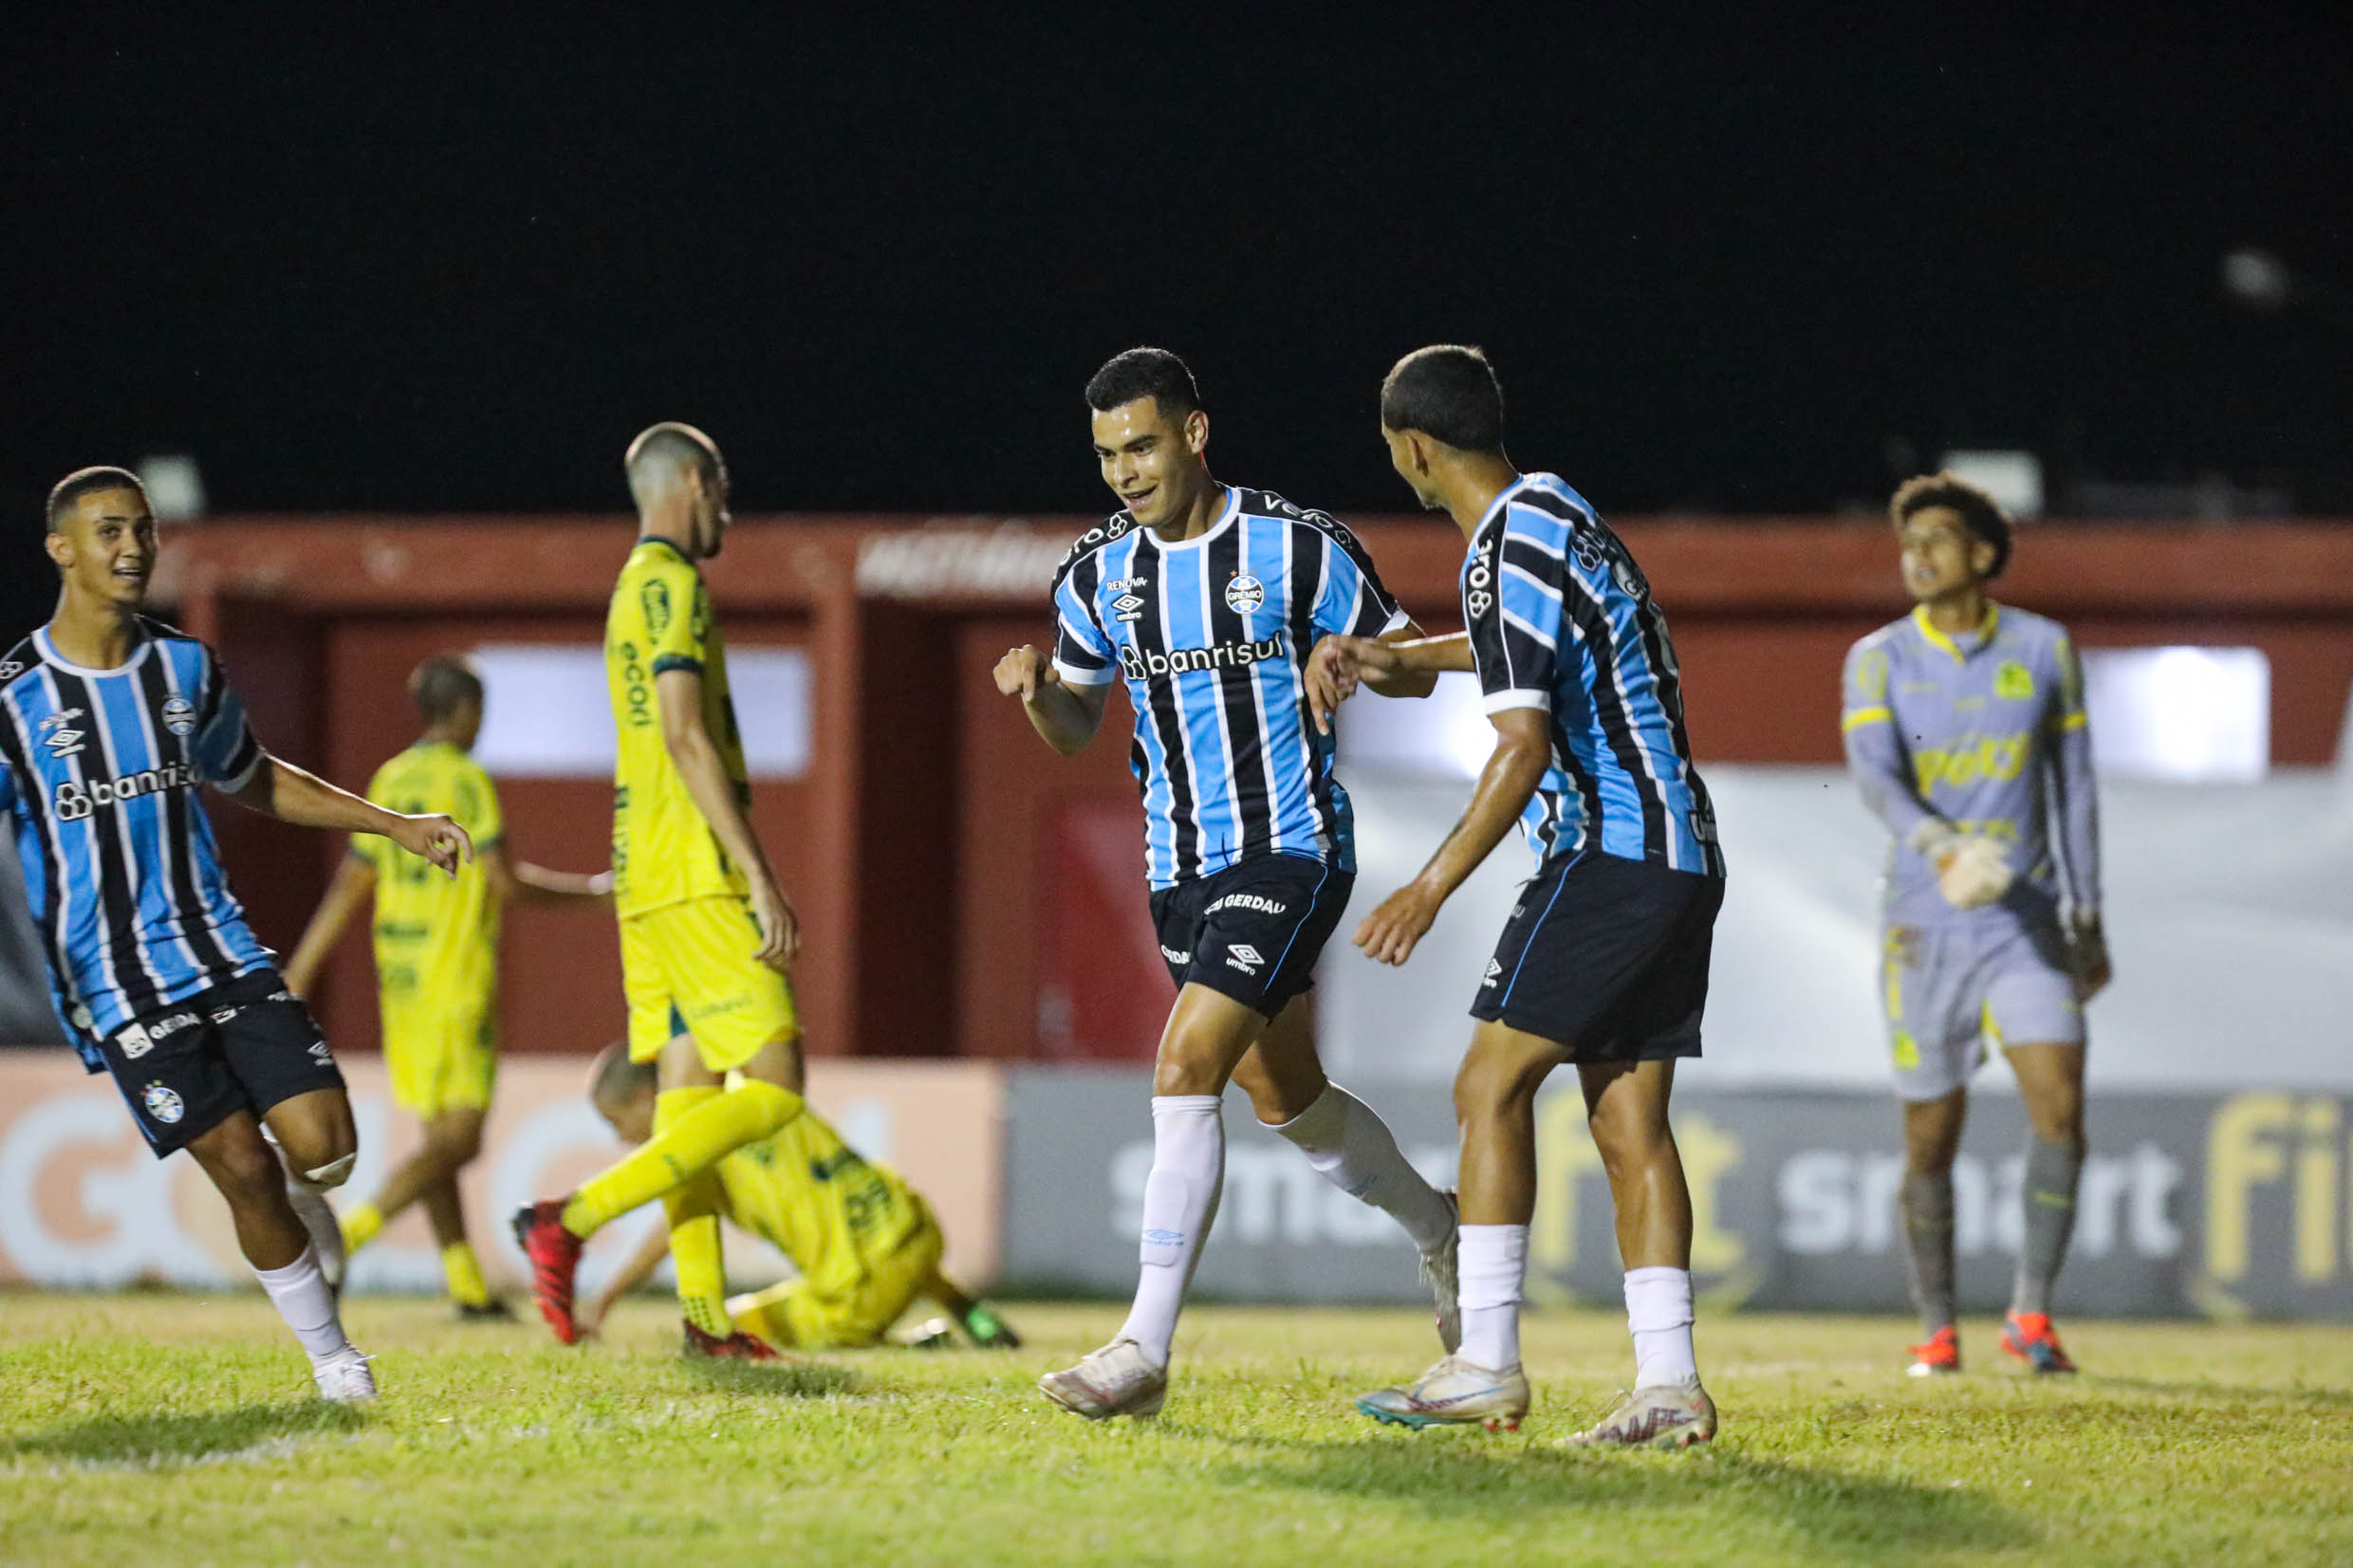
<point x="108" y="723"/>
<point x="865" y="1242"/>
<point x="1966" y="731"/>
<point x="437" y="963"/>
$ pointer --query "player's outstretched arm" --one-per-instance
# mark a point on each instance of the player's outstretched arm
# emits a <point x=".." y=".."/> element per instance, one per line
<point x="1523" y="753"/>
<point x="679" y="694"/>
<point x="627" y="1278"/>
<point x="1402" y="664"/>
<point x="1067" y="716"/>
<point x="515" y="881"/>
<point x="355" y="881"/>
<point x="278" y="789"/>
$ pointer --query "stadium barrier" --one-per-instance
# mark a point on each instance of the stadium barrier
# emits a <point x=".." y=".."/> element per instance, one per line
<point x="2192" y="1205"/>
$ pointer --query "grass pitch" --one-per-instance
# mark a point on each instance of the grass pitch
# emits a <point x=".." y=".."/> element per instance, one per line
<point x="160" y="1428"/>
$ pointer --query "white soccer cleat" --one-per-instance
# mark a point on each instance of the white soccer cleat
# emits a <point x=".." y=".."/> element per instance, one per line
<point x="1118" y="1379"/>
<point x="1440" y="1271"/>
<point x="1454" y="1392"/>
<point x="1667" y="1415"/>
<point x="345" y="1378"/>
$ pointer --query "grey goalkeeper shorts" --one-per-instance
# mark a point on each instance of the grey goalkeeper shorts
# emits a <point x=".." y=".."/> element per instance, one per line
<point x="1947" y="994"/>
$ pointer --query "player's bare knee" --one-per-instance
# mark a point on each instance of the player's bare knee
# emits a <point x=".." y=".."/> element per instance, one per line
<point x="1496" y="1078"/>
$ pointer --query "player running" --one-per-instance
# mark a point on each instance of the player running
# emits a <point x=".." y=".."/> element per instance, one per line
<point x="1604" y="961"/>
<point x="437" y="963"/>
<point x="1206" y="597"/>
<point x="864" y="1241"/>
<point x="705" y="933"/>
<point x="108" y="723"/>
<point x="1966" y="731"/>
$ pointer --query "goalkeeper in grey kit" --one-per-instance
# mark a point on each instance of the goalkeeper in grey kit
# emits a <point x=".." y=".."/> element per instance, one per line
<point x="1966" y="731"/>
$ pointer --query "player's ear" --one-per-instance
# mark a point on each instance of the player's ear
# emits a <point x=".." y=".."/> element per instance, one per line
<point x="1981" y="554"/>
<point x="60" y="548"/>
<point x="1196" y="433"/>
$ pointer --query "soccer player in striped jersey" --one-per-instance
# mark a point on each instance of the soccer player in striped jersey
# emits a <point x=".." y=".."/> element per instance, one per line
<point x="436" y="965"/>
<point x="1206" y="599"/>
<point x="1966" y="731"/>
<point x="1604" y="961"/>
<point x="108" y="723"/>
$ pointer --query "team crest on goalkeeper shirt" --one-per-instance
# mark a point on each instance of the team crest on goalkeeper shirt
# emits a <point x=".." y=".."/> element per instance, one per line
<point x="2014" y="681"/>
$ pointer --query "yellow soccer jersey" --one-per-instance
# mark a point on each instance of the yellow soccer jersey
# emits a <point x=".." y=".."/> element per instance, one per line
<point x="436" y="936"/>
<point x="663" y="852"/>
<point x="815" y="1201"/>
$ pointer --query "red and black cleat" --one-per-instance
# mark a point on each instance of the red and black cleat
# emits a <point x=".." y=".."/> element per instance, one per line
<point x="735" y="1347"/>
<point x="555" y="1256"/>
<point x="1939" y="1354"/>
<point x="2030" y="1337"/>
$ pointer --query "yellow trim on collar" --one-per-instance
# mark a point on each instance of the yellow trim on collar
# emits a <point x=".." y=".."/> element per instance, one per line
<point x="1937" y="640"/>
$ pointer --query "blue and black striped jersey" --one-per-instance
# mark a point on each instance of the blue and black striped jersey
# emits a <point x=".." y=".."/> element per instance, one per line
<point x="98" y="770"/>
<point x="1212" y="636"/>
<point x="1561" y="619"/>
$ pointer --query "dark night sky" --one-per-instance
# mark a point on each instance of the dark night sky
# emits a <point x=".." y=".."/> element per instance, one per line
<point x="408" y="270"/>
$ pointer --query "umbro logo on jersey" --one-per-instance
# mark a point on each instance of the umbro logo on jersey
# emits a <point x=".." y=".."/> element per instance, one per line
<point x="58" y="735"/>
<point x="1245" y="957"/>
<point x="1128" y="606"/>
<point x="179" y="715"/>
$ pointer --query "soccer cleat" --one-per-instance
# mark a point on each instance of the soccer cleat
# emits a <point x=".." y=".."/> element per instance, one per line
<point x="931" y="1334"/>
<point x="555" y="1257"/>
<point x="1440" y="1271"/>
<point x="1666" y="1415"/>
<point x="1454" y="1392"/>
<point x="495" y="1310"/>
<point x="989" y="1331"/>
<point x="344" y="1378"/>
<point x="1115" y="1380"/>
<point x="738" y="1346"/>
<point x="2030" y="1337"/>
<point x="1941" y="1354"/>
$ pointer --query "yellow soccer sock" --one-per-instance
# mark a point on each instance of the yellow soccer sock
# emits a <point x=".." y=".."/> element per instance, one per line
<point x="694" y="1129"/>
<point x="360" y="1224"/>
<point x="763" y="1316"/>
<point x="694" y="1251"/>
<point x="463" y="1271"/>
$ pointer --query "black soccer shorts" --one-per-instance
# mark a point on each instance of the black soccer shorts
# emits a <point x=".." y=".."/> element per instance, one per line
<point x="1606" y="957"/>
<point x="1253" y="931"/>
<point x="243" y="1046"/>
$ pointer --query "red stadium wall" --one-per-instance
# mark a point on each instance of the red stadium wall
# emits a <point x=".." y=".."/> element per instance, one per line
<point x="965" y="891"/>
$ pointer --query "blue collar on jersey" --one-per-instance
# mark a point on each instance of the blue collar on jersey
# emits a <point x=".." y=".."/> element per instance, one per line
<point x="1937" y="640"/>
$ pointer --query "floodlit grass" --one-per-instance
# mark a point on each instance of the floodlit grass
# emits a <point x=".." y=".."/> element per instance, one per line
<point x="160" y="1428"/>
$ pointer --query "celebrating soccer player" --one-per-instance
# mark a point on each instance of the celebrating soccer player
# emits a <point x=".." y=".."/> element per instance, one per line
<point x="1964" y="729"/>
<point x="437" y="963"/>
<point x="705" y="933"/>
<point x="1206" y="599"/>
<point x="108" y="723"/>
<point x="864" y="1241"/>
<point x="1604" y="961"/>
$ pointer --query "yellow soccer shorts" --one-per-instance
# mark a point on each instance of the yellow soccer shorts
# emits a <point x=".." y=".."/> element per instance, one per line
<point x="441" y="1056"/>
<point x="692" y="964"/>
<point x="794" y="1317"/>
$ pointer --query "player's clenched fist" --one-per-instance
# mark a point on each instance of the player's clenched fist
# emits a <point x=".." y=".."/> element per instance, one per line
<point x="435" y="838"/>
<point x="1023" y="671"/>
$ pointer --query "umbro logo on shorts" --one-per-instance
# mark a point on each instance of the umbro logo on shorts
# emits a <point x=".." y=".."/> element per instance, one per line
<point x="320" y="1054"/>
<point x="1245" y="957"/>
<point x="1494" y="971"/>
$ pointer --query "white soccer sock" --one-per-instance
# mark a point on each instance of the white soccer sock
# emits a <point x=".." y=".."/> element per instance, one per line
<point x="1180" y="1203"/>
<point x="1349" y="1143"/>
<point x="303" y="1301"/>
<point x="1659" y="1313"/>
<point x="1494" y="1261"/>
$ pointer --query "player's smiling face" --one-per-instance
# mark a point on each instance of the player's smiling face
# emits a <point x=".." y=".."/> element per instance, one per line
<point x="1153" y="462"/>
<point x="106" y="548"/>
<point x="1940" y="554"/>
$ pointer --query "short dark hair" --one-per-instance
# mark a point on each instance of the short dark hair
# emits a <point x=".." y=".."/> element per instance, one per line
<point x="84" y="482"/>
<point x="617" y="1080"/>
<point x="1153" y="373"/>
<point x="1980" y="514"/>
<point x="1449" y="392"/>
<point x="441" y="684"/>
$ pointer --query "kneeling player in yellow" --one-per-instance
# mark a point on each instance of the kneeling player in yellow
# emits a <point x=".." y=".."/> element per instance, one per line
<point x="705" y="933"/>
<point x="865" y="1242"/>
<point x="437" y="963"/>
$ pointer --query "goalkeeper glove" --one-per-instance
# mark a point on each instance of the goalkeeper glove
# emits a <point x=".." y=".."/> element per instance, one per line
<point x="1972" y="870"/>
